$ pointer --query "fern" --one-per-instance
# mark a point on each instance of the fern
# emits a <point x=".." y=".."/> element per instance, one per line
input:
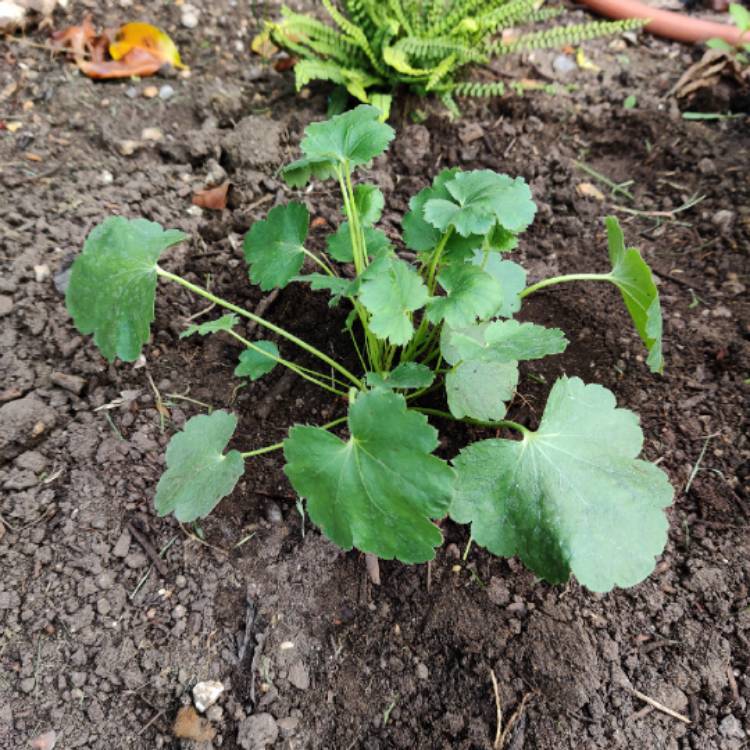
<point x="375" y="46"/>
<point x="564" y="35"/>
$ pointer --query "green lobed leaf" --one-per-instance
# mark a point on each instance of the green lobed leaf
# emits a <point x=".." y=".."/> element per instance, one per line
<point x="199" y="473"/>
<point x="274" y="247"/>
<point x="369" y="202"/>
<point x="224" y="323"/>
<point x="378" y="490"/>
<point x="633" y="277"/>
<point x="339" y="245"/>
<point x="480" y="199"/>
<point x="334" y="284"/>
<point x="356" y="137"/>
<point x="421" y="236"/>
<point x="406" y="375"/>
<point x="501" y="240"/>
<point x="511" y="278"/>
<point x="298" y="173"/>
<point x="113" y="284"/>
<point x="471" y="293"/>
<point x="479" y="389"/>
<point x="501" y="341"/>
<point x="570" y="497"/>
<point x="254" y="364"/>
<point x="391" y="291"/>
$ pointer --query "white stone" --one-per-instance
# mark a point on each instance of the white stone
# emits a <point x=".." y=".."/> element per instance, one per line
<point x="205" y="694"/>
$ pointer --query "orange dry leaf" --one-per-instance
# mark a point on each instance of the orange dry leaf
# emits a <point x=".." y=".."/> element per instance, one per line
<point x="138" y="49"/>
<point x="144" y="36"/>
<point x="215" y="199"/>
<point x="188" y="725"/>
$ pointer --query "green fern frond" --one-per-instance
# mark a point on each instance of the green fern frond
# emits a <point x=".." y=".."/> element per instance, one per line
<point x="450" y="104"/>
<point x="362" y="13"/>
<point x="562" y="35"/>
<point x="511" y="13"/>
<point x="355" y="33"/>
<point x="316" y="34"/>
<point x="441" y="71"/>
<point x="431" y="50"/>
<point x="422" y="44"/>
<point x="398" y="12"/>
<point x="544" y="14"/>
<point x="464" y="9"/>
<point x="477" y="88"/>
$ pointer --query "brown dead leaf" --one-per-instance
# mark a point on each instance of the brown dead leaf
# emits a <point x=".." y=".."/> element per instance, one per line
<point x="587" y="190"/>
<point x="703" y="74"/>
<point x="189" y="726"/>
<point x="29" y="156"/>
<point x="214" y="199"/>
<point x="284" y="63"/>
<point x="318" y="223"/>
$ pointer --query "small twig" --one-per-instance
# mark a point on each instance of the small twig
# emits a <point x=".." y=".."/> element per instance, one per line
<point x="498" y="711"/>
<point x="261" y="309"/>
<point x="696" y="467"/>
<point x="429" y="575"/>
<point x="733" y="684"/>
<point x="514" y="718"/>
<point x="250" y="613"/>
<point x="694" y="201"/>
<point x="373" y="569"/>
<point x="265" y="407"/>
<point x="660" y="706"/>
<point x="150" y="722"/>
<point x="641" y="713"/>
<point x="148" y="548"/>
<point x="202" y="541"/>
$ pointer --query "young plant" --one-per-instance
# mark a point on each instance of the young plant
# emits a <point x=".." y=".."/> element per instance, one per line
<point x="570" y="496"/>
<point x="741" y="52"/>
<point x="374" y="47"/>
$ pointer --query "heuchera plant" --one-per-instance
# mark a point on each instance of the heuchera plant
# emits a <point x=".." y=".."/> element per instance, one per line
<point x="572" y="496"/>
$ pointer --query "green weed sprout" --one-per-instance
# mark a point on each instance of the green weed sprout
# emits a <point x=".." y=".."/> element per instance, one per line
<point x="570" y="497"/>
<point x="741" y="17"/>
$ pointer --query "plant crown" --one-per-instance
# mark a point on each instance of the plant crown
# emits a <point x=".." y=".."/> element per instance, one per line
<point x="374" y="46"/>
<point x="572" y="496"/>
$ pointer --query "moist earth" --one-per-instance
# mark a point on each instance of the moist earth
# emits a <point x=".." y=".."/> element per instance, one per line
<point x="102" y="646"/>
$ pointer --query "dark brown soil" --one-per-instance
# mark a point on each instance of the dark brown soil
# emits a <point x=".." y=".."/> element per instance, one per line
<point x="104" y="652"/>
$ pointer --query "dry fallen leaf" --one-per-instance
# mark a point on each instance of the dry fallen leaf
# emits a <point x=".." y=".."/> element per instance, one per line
<point x="214" y="198"/>
<point x="263" y="46"/>
<point x="587" y="190"/>
<point x="189" y="726"/>
<point x="144" y="36"/>
<point x="138" y="49"/>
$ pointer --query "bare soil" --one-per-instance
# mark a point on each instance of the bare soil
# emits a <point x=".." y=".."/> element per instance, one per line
<point x="101" y="647"/>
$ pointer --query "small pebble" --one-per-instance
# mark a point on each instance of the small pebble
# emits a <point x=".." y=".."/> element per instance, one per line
<point x="41" y="273"/>
<point x="190" y="16"/>
<point x="150" y="92"/>
<point x="106" y="178"/>
<point x="151" y="134"/>
<point x="166" y="92"/>
<point x="6" y="305"/>
<point x="127" y="147"/>
<point x="131" y="92"/>
<point x="206" y="693"/>
<point x="179" y="612"/>
<point x="422" y="672"/>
